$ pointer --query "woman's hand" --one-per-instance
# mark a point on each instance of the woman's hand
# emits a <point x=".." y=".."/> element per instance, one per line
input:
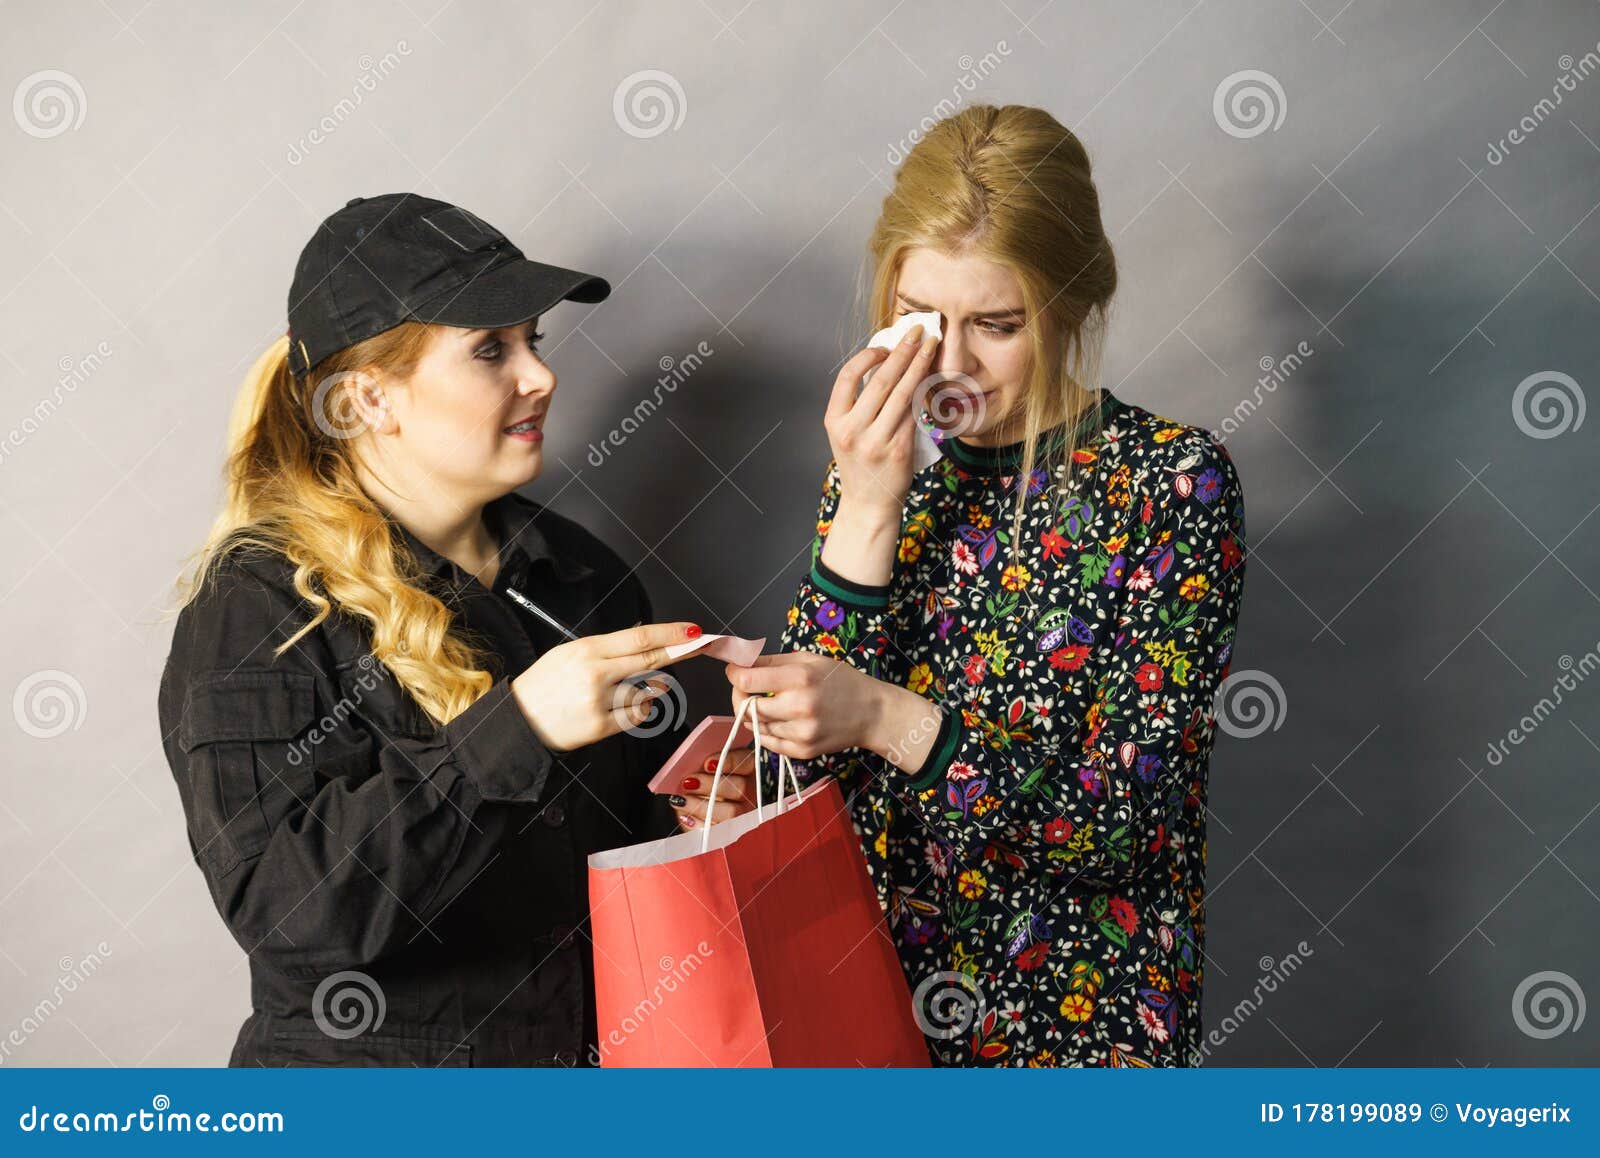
<point x="579" y="693"/>
<point x="813" y="705"/>
<point x="736" y="791"/>
<point x="871" y="434"/>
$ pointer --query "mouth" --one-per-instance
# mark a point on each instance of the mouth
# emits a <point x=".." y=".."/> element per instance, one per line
<point x="525" y="431"/>
<point x="964" y="398"/>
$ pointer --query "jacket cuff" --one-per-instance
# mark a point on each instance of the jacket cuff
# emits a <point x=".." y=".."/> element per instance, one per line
<point x="866" y="597"/>
<point x="493" y="746"/>
<point x="937" y="762"/>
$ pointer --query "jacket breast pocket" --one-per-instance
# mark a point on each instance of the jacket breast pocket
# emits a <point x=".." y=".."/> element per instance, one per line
<point x="249" y="765"/>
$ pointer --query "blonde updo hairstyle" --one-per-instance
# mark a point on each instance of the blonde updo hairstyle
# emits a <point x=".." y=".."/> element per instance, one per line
<point x="1012" y="184"/>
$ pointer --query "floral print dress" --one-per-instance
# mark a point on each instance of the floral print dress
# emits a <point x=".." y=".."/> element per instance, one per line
<point x="1043" y="870"/>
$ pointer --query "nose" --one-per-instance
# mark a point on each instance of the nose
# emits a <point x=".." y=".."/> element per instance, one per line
<point x="534" y="376"/>
<point x="955" y="354"/>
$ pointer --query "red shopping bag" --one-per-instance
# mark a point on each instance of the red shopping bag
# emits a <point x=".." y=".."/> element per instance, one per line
<point x="757" y="942"/>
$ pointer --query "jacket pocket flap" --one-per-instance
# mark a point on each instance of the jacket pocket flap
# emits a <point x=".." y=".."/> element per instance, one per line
<point x="247" y="705"/>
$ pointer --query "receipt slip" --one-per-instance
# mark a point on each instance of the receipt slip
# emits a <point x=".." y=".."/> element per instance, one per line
<point x="732" y="648"/>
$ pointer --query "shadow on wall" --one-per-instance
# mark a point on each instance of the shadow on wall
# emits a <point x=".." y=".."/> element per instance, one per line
<point x="706" y="467"/>
<point x="1381" y="602"/>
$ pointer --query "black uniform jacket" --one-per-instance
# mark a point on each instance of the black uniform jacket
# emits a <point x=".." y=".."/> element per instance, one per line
<point x="407" y="894"/>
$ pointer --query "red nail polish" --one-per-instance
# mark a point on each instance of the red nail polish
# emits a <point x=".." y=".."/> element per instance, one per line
<point x="711" y="764"/>
<point x="690" y="783"/>
<point x="692" y="631"/>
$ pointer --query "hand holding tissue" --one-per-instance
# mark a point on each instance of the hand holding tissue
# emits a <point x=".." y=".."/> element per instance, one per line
<point x="926" y="451"/>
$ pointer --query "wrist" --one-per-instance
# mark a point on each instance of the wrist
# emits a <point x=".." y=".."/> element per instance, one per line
<point x="869" y="517"/>
<point x="520" y="695"/>
<point x="902" y="725"/>
<point x="861" y="543"/>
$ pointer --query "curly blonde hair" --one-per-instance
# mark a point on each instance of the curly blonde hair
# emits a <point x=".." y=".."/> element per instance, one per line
<point x="291" y="488"/>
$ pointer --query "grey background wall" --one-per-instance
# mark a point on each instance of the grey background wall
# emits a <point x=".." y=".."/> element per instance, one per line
<point x="1409" y="281"/>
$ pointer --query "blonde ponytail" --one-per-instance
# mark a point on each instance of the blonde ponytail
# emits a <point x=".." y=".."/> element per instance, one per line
<point x="291" y="488"/>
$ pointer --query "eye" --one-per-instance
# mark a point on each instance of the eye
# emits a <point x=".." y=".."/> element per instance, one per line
<point x="490" y="351"/>
<point x="534" y="340"/>
<point x="1000" y="329"/>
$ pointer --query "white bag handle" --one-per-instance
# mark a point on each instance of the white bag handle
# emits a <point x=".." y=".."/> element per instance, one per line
<point x="784" y="765"/>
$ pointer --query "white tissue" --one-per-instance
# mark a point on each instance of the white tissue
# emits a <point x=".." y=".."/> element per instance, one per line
<point x="925" y="452"/>
<point x="888" y="339"/>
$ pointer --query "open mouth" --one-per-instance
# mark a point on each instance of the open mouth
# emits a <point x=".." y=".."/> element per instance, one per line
<point x="527" y="430"/>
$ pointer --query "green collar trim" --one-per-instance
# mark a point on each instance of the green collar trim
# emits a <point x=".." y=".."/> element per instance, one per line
<point x="1001" y="459"/>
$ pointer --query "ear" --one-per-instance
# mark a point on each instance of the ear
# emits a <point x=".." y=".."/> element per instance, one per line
<point x="369" y="402"/>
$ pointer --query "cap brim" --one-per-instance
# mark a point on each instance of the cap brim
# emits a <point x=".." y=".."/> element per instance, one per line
<point x="512" y="293"/>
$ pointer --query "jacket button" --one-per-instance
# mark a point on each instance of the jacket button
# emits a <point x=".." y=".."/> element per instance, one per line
<point x="567" y="1057"/>
<point x="554" y="814"/>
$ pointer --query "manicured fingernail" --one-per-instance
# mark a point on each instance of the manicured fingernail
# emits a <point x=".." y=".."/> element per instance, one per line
<point x="692" y="631"/>
<point x="676" y="801"/>
<point x="686" y="821"/>
<point x="913" y="336"/>
<point x="690" y="783"/>
<point x="711" y="764"/>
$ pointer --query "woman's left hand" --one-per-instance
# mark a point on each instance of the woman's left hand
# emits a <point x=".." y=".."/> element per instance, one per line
<point x="736" y="792"/>
<point x="812" y="705"/>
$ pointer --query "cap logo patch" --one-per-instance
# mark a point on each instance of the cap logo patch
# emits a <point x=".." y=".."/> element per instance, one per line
<point x="467" y="232"/>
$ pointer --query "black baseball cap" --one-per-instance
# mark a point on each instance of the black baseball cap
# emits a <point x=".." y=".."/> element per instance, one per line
<point x="381" y="261"/>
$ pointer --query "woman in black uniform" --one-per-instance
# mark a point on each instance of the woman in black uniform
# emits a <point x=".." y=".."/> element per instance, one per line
<point x="403" y="703"/>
